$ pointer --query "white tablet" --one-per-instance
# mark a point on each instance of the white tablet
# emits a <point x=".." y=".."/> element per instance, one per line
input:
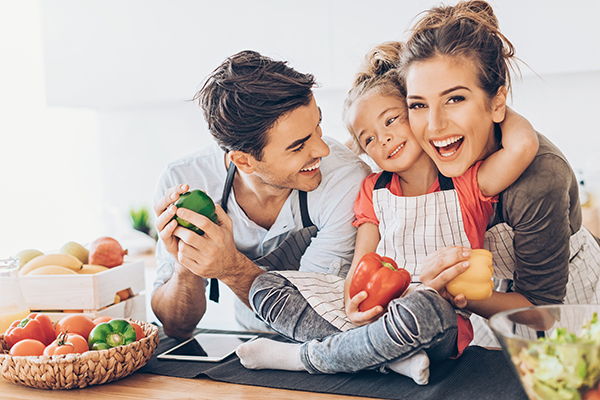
<point x="206" y="347"/>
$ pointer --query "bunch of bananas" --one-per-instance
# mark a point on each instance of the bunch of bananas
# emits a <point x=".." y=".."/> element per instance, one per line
<point x="58" y="264"/>
<point x="71" y="259"/>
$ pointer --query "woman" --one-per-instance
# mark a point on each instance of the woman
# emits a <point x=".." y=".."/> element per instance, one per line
<point x="456" y="62"/>
<point x="541" y="251"/>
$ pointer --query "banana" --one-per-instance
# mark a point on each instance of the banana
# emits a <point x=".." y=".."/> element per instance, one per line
<point x="63" y="260"/>
<point x="92" y="269"/>
<point x="51" y="270"/>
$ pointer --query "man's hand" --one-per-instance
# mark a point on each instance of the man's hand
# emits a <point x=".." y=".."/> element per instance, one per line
<point x="165" y="211"/>
<point x="444" y="265"/>
<point x="212" y="255"/>
<point x="361" y="317"/>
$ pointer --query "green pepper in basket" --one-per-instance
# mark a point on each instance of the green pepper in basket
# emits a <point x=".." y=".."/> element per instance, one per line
<point x="116" y="332"/>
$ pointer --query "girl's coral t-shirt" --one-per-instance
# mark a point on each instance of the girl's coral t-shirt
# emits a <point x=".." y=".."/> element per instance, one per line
<point x="476" y="209"/>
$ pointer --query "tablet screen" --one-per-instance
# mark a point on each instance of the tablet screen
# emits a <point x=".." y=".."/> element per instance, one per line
<point x="206" y="347"/>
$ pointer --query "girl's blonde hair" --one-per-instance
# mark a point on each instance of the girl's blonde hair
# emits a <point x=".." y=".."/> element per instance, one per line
<point x="379" y="71"/>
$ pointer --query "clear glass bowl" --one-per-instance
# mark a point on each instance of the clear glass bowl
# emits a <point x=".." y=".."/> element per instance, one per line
<point x="551" y="368"/>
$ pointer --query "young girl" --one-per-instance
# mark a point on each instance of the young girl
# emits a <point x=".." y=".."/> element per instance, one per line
<point x="405" y="212"/>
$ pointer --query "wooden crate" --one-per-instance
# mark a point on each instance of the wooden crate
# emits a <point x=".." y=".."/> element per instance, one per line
<point x="134" y="308"/>
<point x="90" y="293"/>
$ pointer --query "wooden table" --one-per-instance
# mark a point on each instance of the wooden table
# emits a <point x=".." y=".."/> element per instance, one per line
<point x="147" y="386"/>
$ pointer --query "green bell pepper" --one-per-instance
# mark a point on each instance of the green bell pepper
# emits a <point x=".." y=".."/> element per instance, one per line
<point x="199" y="202"/>
<point x="114" y="333"/>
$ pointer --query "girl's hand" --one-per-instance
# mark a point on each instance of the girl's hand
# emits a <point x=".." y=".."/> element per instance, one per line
<point x="165" y="211"/>
<point x="444" y="265"/>
<point x="362" y="317"/>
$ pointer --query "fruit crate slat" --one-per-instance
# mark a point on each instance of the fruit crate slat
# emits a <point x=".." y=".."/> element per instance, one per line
<point x="134" y="308"/>
<point x="87" y="292"/>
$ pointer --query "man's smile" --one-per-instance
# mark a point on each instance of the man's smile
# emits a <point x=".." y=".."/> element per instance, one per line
<point x="312" y="167"/>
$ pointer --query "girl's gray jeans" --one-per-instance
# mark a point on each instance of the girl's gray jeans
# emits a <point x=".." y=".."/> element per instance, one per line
<point x="422" y="320"/>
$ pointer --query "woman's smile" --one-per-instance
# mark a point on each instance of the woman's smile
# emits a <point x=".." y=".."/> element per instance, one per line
<point x="449" y="146"/>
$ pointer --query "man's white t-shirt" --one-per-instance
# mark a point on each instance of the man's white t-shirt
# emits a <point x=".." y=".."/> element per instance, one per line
<point x="330" y="207"/>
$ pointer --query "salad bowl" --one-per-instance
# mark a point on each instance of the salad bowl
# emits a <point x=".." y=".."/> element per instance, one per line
<point x="555" y="350"/>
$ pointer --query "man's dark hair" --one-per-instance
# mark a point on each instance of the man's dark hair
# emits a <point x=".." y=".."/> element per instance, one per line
<point x="244" y="97"/>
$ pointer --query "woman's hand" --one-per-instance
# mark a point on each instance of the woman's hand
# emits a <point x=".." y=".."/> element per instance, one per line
<point x="165" y="211"/>
<point x="444" y="265"/>
<point x="358" y="317"/>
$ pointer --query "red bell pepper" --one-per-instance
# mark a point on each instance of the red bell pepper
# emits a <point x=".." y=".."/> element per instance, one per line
<point x="35" y="326"/>
<point x="381" y="278"/>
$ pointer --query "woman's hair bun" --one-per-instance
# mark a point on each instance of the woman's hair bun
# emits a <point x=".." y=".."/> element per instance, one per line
<point x="482" y="9"/>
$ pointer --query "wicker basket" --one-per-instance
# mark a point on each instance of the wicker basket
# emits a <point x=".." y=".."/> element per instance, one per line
<point x="72" y="371"/>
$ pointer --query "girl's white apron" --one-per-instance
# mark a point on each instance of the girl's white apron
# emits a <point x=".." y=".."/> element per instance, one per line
<point x="410" y="228"/>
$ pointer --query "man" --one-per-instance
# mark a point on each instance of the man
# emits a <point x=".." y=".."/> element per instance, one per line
<point x="286" y="196"/>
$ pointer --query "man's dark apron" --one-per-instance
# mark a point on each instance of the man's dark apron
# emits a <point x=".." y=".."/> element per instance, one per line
<point x="285" y="257"/>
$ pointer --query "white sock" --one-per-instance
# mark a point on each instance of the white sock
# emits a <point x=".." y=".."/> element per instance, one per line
<point x="265" y="353"/>
<point x="415" y="367"/>
<point x="270" y="354"/>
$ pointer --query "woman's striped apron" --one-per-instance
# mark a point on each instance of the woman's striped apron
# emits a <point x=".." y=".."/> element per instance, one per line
<point x="582" y="285"/>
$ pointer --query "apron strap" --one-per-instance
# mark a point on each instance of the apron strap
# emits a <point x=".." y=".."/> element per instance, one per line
<point x="228" y="185"/>
<point x="213" y="293"/>
<point x="383" y="180"/>
<point x="445" y="182"/>
<point x="306" y="221"/>
<point x="386" y="177"/>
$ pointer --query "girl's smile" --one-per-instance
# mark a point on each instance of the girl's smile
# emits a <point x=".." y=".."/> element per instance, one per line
<point x="396" y="151"/>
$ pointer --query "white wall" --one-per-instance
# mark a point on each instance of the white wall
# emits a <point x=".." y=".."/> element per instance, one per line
<point x="94" y="93"/>
<point x="49" y="159"/>
<point x="564" y="107"/>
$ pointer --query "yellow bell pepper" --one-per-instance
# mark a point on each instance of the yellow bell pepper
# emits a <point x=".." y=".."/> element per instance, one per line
<point x="476" y="282"/>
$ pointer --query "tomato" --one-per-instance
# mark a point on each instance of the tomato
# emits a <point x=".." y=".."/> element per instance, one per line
<point x="27" y="347"/>
<point x="67" y="344"/>
<point x="139" y="332"/>
<point x="77" y="323"/>
<point x="104" y="318"/>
